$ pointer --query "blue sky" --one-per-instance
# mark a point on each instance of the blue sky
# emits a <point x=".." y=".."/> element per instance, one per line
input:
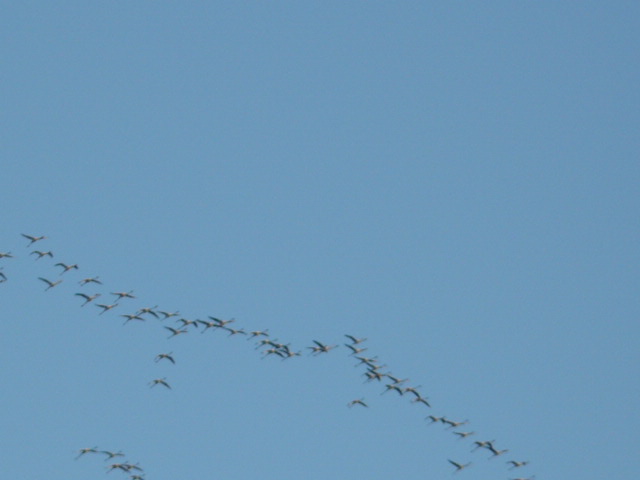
<point x="457" y="182"/>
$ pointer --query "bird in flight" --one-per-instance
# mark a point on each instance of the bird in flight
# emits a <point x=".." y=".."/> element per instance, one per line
<point x="160" y="381"/>
<point x="106" y="308"/>
<point x="130" y="317"/>
<point x="122" y="295"/>
<point x="2" y="276"/>
<point x="32" y="239"/>
<point x="359" y="401"/>
<point x="354" y="340"/>
<point x="87" y="450"/>
<point x="459" y="466"/>
<point x="87" y="298"/>
<point x="6" y="255"/>
<point x="84" y="281"/>
<point x="320" y="348"/>
<point x="41" y="254"/>
<point x="49" y="282"/>
<point x="165" y="355"/>
<point x="111" y="455"/>
<point x="66" y="268"/>
<point x="515" y="464"/>
<point x="175" y="331"/>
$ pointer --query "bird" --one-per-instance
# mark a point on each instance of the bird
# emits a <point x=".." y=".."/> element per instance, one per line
<point x="130" y="317"/>
<point x="234" y="331"/>
<point x="463" y="434"/>
<point x="87" y="298"/>
<point x="495" y="452"/>
<point x="160" y="381"/>
<point x="515" y="464"/>
<point x="459" y="466"/>
<point x="111" y="455"/>
<point x="3" y="276"/>
<point x="122" y="295"/>
<point x="420" y="399"/>
<point x="175" y="331"/>
<point x="258" y="333"/>
<point x="50" y="283"/>
<point x="6" y="255"/>
<point x="359" y="401"/>
<point x="84" y="281"/>
<point x="32" y="238"/>
<point x="394" y="387"/>
<point x="87" y="450"/>
<point x="354" y="350"/>
<point x="453" y="424"/>
<point x="106" y="308"/>
<point x="65" y="267"/>
<point x="320" y="348"/>
<point x="168" y="356"/>
<point x="482" y="444"/>
<point x="434" y="419"/>
<point x="168" y="314"/>
<point x="222" y="323"/>
<point x="148" y="310"/>
<point x="355" y="340"/>
<point x="42" y="254"/>
<point x="208" y="325"/>
<point x="186" y="323"/>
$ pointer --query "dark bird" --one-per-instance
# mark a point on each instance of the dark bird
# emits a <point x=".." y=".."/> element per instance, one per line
<point x="90" y="280"/>
<point x="32" y="239"/>
<point x="50" y="283"/>
<point x="2" y="276"/>
<point x="6" y="255"/>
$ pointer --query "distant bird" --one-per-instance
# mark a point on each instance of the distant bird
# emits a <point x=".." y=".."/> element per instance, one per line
<point x="65" y="267"/>
<point x="482" y="444"/>
<point x="234" y="331"/>
<point x="394" y="387"/>
<point x="168" y="314"/>
<point x="175" y="331"/>
<point x="160" y="381"/>
<point x="495" y="452"/>
<point x="433" y="419"/>
<point x="87" y="298"/>
<point x="354" y="350"/>
<point x="515" y="464"/>
<point x="355" y="340"/>
<point x="32" y="238"/>
<point x="321" y="348"/>
<point x="459" y="466"/>
<point x="6" y="255"/>
<point x="186" y="323"/>
<point x="50" y="283"/>
<point x="396" y="380"/>
<point x="122" y="295"/>
<point x="258" y="333"/>
<point x="420" y="399"/>
<point x="84" y="451"/>
<point x="2" y="276"/>
<point x="222" y="323"/>
<point x="42" y="254"/>
<point x="370" y="362"/>
<point x="359" y="401"/>
<point x="149" y="310"/>
<point x="463" y="434"/>
<point x="164" y="355"/>
<point x="413" y="390"/>
<point x="106" y="308"/>
<point x="453" y="424"/>
<point x="130" y="317"/>
<point x="208" y="325"/>
<point x="111" y="455"/>
<point x="84" y="281"/>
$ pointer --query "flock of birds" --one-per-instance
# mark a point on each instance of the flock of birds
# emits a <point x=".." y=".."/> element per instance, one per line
<point x="374" y="371"/>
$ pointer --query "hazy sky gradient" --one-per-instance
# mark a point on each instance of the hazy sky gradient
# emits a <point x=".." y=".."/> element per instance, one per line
<point x="458" y="182"/>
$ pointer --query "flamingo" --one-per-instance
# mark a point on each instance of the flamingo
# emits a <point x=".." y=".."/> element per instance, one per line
<point x="66" y="268"/>
<point x="106" y="308"/>
<point x="6" y="255"/>
<point x="84" y="281"/>
<point x="122" y="295"/>
<point x="160" y="381"/>
<point x="515" y="464"/>
<point x="87" y="298"/>
<point x="164" y="355"/>
<point x="32" y="238"/>
<point x="459" y="466"/>
<point x="50" y="283"/>
<point x="130" y="317"/>
<point x="3" y="276"/>
<point x="42" y="254"/>
<point x="87" y="450"/>
<point x="175" y="331"/>
<point x="355" y="340"/>
<point x="359" y="401"/>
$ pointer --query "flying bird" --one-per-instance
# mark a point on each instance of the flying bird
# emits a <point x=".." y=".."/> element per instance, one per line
<point x="6" y="255"/>
<point x="122" y="295"/>
<point x="515" y="464"/>
<point x="50" y="283"/>
<point x="87" y="450"/>
<point x="175" y="331"/>
<point x="66" y="268"/>
<point x="359" y="401"/>
<point x="87" y="298"/>
<point x="459" y="466"/>
<point x="42" y="254"/>
<point x="106" y="308"/>
<point x="160" y="381"/>
<point x="354" y="340"/>
<point x="84" y="281"/>
<point x="32" y="238"/>
<point x="164" y="355"/>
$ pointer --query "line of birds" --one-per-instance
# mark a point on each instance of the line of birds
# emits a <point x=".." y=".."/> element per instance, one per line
<point x="135" y="471"/>
<point x="267" y="346"/>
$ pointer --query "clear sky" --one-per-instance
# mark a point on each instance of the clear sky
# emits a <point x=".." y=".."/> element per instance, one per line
<point x="456" y="181"/>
